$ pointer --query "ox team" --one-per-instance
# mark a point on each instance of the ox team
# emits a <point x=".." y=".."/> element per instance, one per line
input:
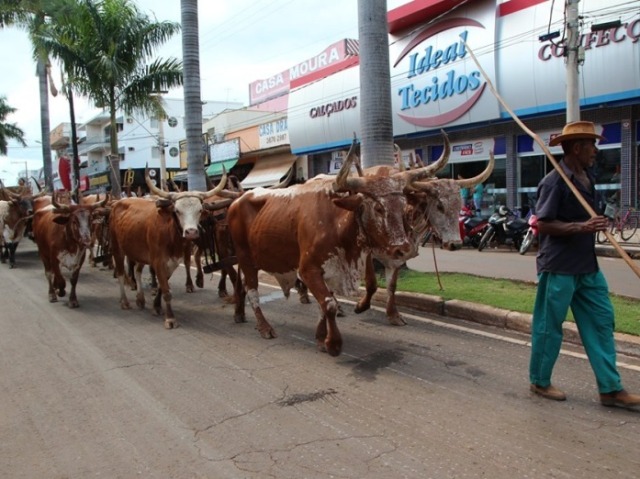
<point x="381" y="213"/>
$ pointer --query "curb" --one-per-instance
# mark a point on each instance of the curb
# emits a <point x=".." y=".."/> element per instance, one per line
<point x="491" y="316"/>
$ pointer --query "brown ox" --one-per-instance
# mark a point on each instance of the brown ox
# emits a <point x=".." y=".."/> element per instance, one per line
<point x="156" y="233"/>
<point x="62" y="233"/>
<point x="433" y="204"/>
<point x="322" y="232"/>
<point x="16" y="211"/>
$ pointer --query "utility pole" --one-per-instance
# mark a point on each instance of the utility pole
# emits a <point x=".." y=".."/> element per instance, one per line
<point x="575" y="57"/>
<point x="163" y="163"/>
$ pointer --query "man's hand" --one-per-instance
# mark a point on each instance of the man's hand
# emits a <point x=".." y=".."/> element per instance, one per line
<point x="597" y="223"/>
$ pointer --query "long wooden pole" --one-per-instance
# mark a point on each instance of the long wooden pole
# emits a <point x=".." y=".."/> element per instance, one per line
<point x="623" y="254"/>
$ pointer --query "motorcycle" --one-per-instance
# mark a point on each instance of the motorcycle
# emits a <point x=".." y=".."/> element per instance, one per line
<point x="531" y="235"/>
<point x="471" y="227"/>
<point x="505" y="228"/>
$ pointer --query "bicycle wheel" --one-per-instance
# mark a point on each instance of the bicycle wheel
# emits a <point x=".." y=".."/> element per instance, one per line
<point x="601" y="237"/>
<point x="629" y="228"/>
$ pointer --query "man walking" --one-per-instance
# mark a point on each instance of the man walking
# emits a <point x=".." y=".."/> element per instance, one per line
<point x="569" y="276"/>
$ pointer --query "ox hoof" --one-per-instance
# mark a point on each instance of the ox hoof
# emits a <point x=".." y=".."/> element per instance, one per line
<point x="239" y="318"/>
<point x="125" y="305"/>
<point x="170" y="323"/>
<point x="340" y="312"/>
<point x="333" y="349"/>
<point x="61" y="293"/>
<point x="396" y="321"/>
<point x="200" y="283"/>
<point x="222" y="293"/>
<point x="361" y="308"/>
<point x="189" y="288"/>
<point x="140" y="304"/>
<point x="73" y="304"/>
<point x="305" y="300"/>
<point x="53" y="298"/>
<point x="268" y="333"/>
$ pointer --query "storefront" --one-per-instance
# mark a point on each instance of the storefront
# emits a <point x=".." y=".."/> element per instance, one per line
<point x="436" y="85"/>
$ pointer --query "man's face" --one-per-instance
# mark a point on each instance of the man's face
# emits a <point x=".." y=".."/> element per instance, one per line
<point x="586" y="151"/>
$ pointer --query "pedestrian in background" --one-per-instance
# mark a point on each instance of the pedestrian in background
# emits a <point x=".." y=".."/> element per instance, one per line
<point x="478" y="192"/>
<point x="464" y="193"/>
<point x="569" y="275"/>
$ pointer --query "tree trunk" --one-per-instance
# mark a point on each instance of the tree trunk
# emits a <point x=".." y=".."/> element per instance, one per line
<point x="45" y="127"/>
<point x="375" y="84"/>
<point x="192" y="98"/>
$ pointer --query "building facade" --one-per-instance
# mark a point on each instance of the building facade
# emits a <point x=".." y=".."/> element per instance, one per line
<point x="436" y="85"/>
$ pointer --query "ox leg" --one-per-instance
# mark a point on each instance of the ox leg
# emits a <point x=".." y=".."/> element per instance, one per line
<point x="303" y="291"/>
<point x="240" y="294"/>
<point x="186" y="260"/>
<point x="12" y="254"/>
<point x="197" y="259"/>
<point x="73" y="299"/>
<point x="164" y="292"/>
<point x="53" y="297"/>
<point x="59" y="282"/>
<point x="371" y="286"/>
<point x="130" y="276"/>
<point x="118" y="271"/>
<point x="230" y="272"/>
<point x="140" y="301"/>
<point x="251" y="288"/>
<point x="328" y="337"/>
<point x="393" y="316"/>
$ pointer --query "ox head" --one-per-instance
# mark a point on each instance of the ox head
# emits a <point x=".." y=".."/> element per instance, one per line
<point x="436" y="203"/>
<point x="76" y="218"/>
<point x="186" y="206"/>
<point x="379" y="204"/>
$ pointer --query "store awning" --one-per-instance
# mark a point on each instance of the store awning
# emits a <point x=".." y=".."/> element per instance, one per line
<point x="215" y="169"/>
<point x="268" y="171"/>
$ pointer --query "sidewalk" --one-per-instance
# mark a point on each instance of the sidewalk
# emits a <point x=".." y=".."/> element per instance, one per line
<point x="524" y="269"/>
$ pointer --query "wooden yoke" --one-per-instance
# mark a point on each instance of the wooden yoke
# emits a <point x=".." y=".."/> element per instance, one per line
<point x="538" y="140"/>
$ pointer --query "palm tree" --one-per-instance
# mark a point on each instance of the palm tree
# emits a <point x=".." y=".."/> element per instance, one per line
<point x="196" y="179"/>
<point x="30" y="14"/>
<point x="8" y="131"/>
<point x="375" y="83"/>
<point x="104" y="48"/>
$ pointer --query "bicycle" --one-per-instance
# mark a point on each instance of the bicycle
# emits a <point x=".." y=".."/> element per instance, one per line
<point x="625" y="225"/>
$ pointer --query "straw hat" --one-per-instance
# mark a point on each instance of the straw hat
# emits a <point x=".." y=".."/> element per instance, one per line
<point x="575" y="131"/>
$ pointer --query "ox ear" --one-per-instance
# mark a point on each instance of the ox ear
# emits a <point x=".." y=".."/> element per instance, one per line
<point x="351" y="202"/>
<point x="61" y="219"/>
<point x="164" y="203"/>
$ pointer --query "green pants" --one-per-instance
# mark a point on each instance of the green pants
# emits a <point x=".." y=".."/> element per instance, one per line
<point x="588" y="297"/>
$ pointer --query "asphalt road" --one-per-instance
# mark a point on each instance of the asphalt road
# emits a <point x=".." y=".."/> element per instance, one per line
<point x="507" y="263"/>
<point x="100" y="392"/>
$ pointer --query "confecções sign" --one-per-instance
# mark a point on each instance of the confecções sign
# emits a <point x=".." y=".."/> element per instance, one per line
<point x="597" y="39"/>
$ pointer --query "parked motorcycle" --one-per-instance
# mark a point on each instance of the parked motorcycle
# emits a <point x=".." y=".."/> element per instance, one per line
<point x="471" y="227"/>
<point x="531" y="235"/>
<point x="505" y="228"/>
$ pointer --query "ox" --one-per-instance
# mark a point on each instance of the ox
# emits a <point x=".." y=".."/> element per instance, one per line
<point x="62" y="233"/>
<point x="16" y="210"/>
<point x="435" y="204"/>
<point x="321" y="231"/>
<point x="156" y="233"/>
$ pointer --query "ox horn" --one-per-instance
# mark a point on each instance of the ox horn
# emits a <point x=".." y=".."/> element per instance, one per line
<point x="397" y="153"/>
<point x="285" y="182"/>
<point x="153" y="188"/>
<point x="58" y="206"/>
<point x="430" y="170"/>
<point x="343" y="182"/>
<point x="218" y="188"/>
<point x="481" y="178"/>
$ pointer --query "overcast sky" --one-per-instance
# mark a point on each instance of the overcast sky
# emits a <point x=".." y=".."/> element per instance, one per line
<point x="240" y="41"/>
